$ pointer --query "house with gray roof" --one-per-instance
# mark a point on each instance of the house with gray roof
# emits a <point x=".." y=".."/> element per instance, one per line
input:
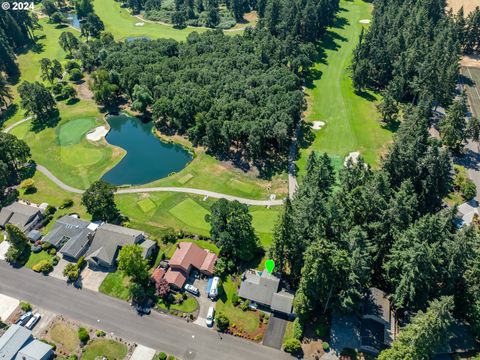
<point x="23" y="216"/>
<point x="35" y="350"/>
<point x="18" y="344"/>
<point x="108" y="241"/>
<point x="263" y="288"/>
<point x="71" y="236"/>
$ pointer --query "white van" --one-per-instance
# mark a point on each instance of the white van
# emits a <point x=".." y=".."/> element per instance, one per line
<point x="210" y="315"/>
<point x="213" y="293"/>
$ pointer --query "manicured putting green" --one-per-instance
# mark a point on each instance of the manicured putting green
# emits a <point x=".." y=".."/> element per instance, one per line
<point x="190" y="212"/>
<point x="147" y="205"/>
<point x="73" y="131"/>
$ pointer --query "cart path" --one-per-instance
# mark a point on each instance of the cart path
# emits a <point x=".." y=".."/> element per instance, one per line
<point x="134" y="190"/>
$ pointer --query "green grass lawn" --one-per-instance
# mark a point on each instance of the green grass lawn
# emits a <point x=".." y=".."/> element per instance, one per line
<point x="246" y="320"/>
<point x="186" y="212"/>
<point x="65" y="335"/>
<point x="110" y="349"/>
<point x="188" y="305"/>
<point x="116" y="285"/>
<point x="121" y="24"/>
<point x="34" y="259"/>
<point x="352" y="122"/>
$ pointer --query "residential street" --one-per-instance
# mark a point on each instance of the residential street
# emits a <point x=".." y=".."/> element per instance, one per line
<point x="162" y="332"/>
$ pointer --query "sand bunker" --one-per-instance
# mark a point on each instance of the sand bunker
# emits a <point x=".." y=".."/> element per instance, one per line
<point x="97" y="134"/>
<point x="352" y="156"/>
<point x="364" y="21"/>
<point x="317" y="125"/>
<point x="140" y="24"/>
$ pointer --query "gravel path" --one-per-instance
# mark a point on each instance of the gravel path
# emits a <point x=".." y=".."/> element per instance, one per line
<point x="211" y="194"/>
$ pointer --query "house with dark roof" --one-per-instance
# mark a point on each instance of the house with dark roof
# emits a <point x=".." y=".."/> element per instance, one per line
<point x="378" y="325"/>
<point x="263" y="288"/>
<point x="23" y="216"/>
<point x="109" y="239"/>
<point x="18" y="344"/>
<point x="71" y="236"/>
<point x="187" y="257"/>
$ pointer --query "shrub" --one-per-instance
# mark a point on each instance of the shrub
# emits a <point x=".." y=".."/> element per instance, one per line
<point x="46" y="246"/>
<point x="100" y="333"/>
<point x="83" y="335"/>
<point x="297" y="329"/>
<point x="169" y="236"/>
<point x="50" y="210"/>
<point x="244" y="306"/>
<point x="321" y="327"/>
<point x="70" y="65"/>
<point x="325" y="346"/>
<point x="162" y="356"/>
<point x="171" y="357"/>
<point x="222" y="321"/>
<point x="66" y="203"/>
<point x="55" y="260"/>
<point x="81" y="262"/>
<point x="52" y="251"/>
<point x="27" y="185"/>
<point x="25" y="306"/>
<point x="57" y="88"/>
<point x="292" y="346"/>
<point x="75" y="75"/>
<point x="235" y="299"/>
<point x="44" y="266"/>
<point x="71" y="272"/>
<point x="69" y="92"/>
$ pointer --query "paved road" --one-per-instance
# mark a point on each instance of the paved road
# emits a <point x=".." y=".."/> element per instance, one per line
<point x="201" y="192"/>
<point x="158" y="331"/>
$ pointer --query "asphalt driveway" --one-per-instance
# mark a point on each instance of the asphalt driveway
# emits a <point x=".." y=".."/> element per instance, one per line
<point x="275" y="331"/>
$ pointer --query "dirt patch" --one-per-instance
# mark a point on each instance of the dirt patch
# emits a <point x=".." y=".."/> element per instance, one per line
<point x="468" y="5"/>
<point x="471" y="61"/>
<point x="312" y="349"/>
<point x="83" y="91"/>
<point x="251" y="16"/>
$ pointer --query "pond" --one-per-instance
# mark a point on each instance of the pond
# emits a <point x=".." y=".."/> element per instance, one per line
<point x="147" y="159"/>
<point x="73" y="20"/>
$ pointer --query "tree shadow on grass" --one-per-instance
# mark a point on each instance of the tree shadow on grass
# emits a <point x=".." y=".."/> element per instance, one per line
<point x="330" y="41"/>
<point x="51" y="122"/>
<point x="8" y="113"/>
<point x="365" y="95"/>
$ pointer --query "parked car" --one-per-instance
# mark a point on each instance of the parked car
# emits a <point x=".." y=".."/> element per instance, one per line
<point x="210" y="315"/>
<point x="142" y="310"/>
<point x="33" y="321"/>
<point x="24" y="318"/>
<point x="36" y="249"/>
<point x="213" y="293"/>
<point x="192" y="289"/>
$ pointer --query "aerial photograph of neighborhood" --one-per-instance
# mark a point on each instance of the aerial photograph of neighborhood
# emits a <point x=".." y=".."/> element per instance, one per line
<point x="239" y="179"/>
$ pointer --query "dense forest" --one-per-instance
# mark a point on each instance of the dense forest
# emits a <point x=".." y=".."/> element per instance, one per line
<point x="385" y="228"/>
<point x="411" y="52"/>
<point x="222" y="14"/>
<point x="239" y="96"/>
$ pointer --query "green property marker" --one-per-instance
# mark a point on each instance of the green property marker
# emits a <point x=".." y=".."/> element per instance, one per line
<point x="270" y="265"/>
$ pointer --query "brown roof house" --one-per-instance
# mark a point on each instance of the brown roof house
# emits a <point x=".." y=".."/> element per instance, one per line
<point x="187" y="256"/>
